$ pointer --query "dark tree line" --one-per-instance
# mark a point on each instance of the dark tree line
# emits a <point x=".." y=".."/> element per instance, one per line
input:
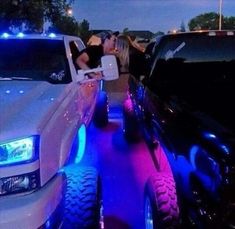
<point x="210" y="21"/>
<point x="31" y="16"/>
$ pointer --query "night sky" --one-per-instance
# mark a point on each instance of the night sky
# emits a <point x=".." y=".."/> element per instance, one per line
<point x="153" y="15"/>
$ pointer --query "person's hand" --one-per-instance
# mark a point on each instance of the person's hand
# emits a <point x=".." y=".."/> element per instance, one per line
<point x="95" y="75"/>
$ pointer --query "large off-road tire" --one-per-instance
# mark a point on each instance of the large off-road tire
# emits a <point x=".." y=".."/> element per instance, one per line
<point x="161" y="207"/>
<point x="82" y="198"/>
<point x="130" y="122"/>
<point x="100" y="117"/>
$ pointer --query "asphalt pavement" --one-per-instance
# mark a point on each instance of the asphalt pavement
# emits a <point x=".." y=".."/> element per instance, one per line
<point x="123" y="167"/>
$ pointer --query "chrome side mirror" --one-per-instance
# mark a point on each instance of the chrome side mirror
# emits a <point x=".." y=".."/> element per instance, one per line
<point x="110" y="68"/>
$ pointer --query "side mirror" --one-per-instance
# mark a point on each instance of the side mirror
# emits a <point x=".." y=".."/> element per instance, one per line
<point x="108" y="67"/>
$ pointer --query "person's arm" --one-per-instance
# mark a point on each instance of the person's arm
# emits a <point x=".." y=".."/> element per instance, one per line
<point x="82" y="63"/>
<point x="82" y="60"/>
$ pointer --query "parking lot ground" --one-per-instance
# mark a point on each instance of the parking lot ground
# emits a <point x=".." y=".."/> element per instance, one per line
<point x="124" y="169"/>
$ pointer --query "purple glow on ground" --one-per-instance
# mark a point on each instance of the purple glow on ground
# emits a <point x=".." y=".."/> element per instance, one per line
<point x="124" y="169"/>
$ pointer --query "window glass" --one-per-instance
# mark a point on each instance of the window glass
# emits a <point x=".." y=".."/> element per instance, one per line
<point x="42" y="60"/>
<point x="74" y="51"/>
<point x="197" y="61"/>
<point x="198" y="70"/>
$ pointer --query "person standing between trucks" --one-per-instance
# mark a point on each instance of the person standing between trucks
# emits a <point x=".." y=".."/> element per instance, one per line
<point x="90" y="57"/>
<point x="131" y="59"/>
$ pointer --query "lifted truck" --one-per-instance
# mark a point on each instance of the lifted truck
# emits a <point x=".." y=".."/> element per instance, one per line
<point x="45" y="107"/>
<point x="185" y="111"/>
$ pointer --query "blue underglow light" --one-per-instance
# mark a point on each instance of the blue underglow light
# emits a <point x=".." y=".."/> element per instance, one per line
<point x="209" y="135"/>
<point x="5" y="35"/>
<point x="101" y="85"/>
<point x="16" y="151"/>
<point x="225" y="148"/>
<point x="81" y="138"/>
<point x="51" y="35"/>
<point x="192" y="155"/>
<point x="48" y="224"/>
<point x="20" y="35"/>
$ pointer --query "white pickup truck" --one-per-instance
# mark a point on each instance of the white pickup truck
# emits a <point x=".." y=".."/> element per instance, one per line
<point x="45" y="107"/>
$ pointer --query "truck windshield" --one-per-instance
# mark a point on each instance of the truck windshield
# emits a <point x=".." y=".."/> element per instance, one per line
<point x="199" y="70"/>
<point x="34" y="59"/>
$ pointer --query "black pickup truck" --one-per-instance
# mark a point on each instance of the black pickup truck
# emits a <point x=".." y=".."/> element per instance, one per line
<point x="185" y="109"/>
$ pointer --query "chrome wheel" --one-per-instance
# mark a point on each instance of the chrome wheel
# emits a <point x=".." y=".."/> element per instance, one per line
<point x="148" y="214"/>
<point x="101" y="215"/>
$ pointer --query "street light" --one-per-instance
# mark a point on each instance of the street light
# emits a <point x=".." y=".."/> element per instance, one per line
<point x="220" y="14"/>
<point x="70" y="11"/>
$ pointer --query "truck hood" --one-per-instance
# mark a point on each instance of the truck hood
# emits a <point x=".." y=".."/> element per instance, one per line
<point x="26" y="106"/>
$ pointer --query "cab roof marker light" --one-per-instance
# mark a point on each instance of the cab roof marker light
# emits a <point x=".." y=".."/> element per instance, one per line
<point x="20" y="35"/>
<point x="230" y="33"/>
<point x="51" y="35"/>
<point x="212" y="33"/>
<point x="5" y="35"/>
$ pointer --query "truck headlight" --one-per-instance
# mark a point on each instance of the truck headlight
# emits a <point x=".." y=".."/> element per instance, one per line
<point x="18" y="151"/>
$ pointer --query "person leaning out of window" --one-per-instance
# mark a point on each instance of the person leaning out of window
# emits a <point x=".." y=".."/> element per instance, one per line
<point x="90" y="57"/>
